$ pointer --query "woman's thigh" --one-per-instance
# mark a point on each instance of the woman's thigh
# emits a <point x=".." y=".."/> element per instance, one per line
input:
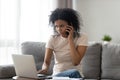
<point x="72" y="73"/>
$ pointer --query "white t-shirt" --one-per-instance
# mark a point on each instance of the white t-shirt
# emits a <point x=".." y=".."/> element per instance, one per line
<point x="61" y="50"/>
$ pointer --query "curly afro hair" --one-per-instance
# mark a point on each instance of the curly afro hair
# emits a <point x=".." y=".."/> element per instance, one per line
<point x="67" y="14"/>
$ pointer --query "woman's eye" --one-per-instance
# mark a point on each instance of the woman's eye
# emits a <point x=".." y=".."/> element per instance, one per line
<point x="61" y="25"/>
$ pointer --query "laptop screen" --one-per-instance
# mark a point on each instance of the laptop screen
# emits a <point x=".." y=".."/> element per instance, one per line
<point x="24" y="65"/>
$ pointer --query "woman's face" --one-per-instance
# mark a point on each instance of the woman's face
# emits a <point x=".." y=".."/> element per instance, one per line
<point x="60" y="26"/>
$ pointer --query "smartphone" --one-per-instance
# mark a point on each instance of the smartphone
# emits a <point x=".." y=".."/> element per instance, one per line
<point x="67" y="33"/>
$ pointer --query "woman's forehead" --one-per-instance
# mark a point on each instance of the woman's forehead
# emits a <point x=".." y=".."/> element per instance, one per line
<point x="60" y="22"/>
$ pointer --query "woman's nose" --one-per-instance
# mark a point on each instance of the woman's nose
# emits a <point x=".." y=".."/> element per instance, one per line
<point x="58" y="28"/>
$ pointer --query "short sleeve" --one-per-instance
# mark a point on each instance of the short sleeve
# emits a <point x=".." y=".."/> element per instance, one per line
<point x="82" y="40"/>
<point x="50" y="43"/>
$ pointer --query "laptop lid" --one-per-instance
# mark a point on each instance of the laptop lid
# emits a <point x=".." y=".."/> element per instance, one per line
<point x="24" y="65"/>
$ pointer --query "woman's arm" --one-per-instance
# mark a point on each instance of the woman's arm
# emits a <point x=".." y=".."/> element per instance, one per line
<point x="47" y="60"/>
<point x="77" y="53"/>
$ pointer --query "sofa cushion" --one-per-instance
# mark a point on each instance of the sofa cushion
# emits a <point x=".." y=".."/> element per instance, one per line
<point x="111" y="61"/>
<point x="37" y="49"/>
<point x="91" y="61"/>
<point x="7" y="71"/>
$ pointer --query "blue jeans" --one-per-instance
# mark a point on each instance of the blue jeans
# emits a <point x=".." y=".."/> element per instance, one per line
<point x="72" y="73"/>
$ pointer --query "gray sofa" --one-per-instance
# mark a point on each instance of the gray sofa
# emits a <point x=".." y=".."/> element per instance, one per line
<point x="101" y="61"/>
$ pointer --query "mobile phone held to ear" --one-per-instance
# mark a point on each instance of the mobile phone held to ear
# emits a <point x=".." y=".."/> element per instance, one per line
<point x="67" y="33"/>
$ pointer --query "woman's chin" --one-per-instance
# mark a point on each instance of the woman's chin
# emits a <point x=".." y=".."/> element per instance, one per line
<point x="64" y="36"/>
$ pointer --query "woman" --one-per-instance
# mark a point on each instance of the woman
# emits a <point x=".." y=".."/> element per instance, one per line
<point x="67" y="44"/>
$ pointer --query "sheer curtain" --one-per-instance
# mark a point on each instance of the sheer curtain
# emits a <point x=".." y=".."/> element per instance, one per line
<point x="20" y="21"/>
<point x="8" y="29"/>
<point x="24" y="20"/>
<point x="34" y="20"/>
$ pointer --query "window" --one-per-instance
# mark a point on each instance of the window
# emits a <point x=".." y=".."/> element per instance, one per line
<point x="22" y="20"/>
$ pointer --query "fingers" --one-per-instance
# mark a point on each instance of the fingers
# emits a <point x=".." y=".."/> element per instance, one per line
<point x="69" y="29"/>
<point x="42" y="72"/>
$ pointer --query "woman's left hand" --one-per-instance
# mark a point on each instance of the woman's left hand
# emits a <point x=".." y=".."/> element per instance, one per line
<point x="70" y="30"/>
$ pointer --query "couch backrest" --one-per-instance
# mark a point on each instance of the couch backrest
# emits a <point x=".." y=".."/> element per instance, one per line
<point x="91" y="62"/>
<point x="37" y="49"/>
<point x="111" y="61"/>
<point x="99" y="61"/>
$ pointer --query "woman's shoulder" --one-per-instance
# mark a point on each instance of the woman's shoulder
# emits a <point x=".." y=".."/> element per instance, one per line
<point x="54" y="36"/>
<point x="83" y="39"/>
<point x="83" y="35"/>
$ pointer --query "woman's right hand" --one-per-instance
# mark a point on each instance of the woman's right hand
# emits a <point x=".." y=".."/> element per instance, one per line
<point x="43" y="71"/>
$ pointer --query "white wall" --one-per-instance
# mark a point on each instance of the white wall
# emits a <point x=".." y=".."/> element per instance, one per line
<point x="100" y="17"/>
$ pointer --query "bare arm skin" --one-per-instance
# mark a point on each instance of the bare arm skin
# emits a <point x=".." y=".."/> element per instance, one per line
<point x="47" y="60"/>
<point x="78" y="52"/>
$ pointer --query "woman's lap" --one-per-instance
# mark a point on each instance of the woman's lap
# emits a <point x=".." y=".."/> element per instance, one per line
<point x="72" y="73"/>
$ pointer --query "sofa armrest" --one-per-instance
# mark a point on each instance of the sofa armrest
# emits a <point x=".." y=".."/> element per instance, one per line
<point x="7" y="71"/>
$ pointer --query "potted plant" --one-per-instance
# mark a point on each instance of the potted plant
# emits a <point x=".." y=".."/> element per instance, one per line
<point x="107" y="38"/>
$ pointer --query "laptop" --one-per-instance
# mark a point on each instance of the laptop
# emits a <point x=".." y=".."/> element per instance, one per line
<point x="25" y="67"/>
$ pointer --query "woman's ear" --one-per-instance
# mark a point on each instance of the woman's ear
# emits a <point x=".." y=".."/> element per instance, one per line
<point x="70" y="24"/>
